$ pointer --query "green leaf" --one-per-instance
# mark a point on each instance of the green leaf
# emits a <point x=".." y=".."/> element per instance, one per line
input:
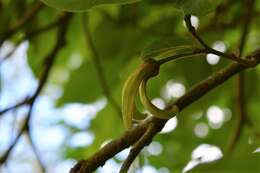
<point x="41" y="45"/>
<point x="115" y="50"/>
<point x="82" y="5"/>
<point x="197" y="7"/>
<point x="38" y="50"/>
<point x="83" y="85"/>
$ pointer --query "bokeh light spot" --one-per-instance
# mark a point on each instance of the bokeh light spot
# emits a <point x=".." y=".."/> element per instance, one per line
<point x="170" y="125"/>
<point x="201" y="130"/>
<point x="155" y="148"/>
<point x="213" y="59"/>
<point x="215" y="117"/>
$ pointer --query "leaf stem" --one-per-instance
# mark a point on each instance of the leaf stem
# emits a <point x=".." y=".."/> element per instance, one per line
<point x="29" y="14"/>
<point x="184" y="55"/>
<point x="99" y="68"/>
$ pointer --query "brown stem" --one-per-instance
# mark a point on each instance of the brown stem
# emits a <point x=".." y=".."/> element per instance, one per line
<point x="130" y="137"/>
<point x="192" y="30"/>
<point x="240" y="111"/>
<point x="30" y="13"/>
<point x="19" y="104"/>
<point x="240" y="80"/>
<point x="99" y="68"/>
<point x="145" y="140"/>
<point x="35" y="150"/>
<point x="30" y="34"/>
<point x="48" y="64"/>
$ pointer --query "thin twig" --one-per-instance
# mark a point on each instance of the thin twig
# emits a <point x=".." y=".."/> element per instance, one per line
<point x="240" y="111"/>
<point x="30" y="34"/>
<point x="11" y="52"/>
<point x="47" y="27"/>
<point x="145" y="140"/>
<point x="192" y="30"/>
<point x="240" y="80"/>
<point x="49" y="60"/>
<point x="99" y="68"/>
<point x="130" y="137"/>
<point x="29" y="14"/>
<point x="5" y="156"/>
<point x="35" y="150"/>
<point x="136" y="149"/>
<point x="217" y="22"/>
<point x="19" y="104"/>
<point x="48" y="64"/>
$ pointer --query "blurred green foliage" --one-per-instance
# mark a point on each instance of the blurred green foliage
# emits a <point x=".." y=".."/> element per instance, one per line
<point x="123" y="35"/>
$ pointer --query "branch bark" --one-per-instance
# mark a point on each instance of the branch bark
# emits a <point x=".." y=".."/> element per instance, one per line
<point x="208" y="49"/>
<point x="130" y="137"/>
<point x="145" y="140"/>
<point x="30" y="13"/>
<point x="241" y="110"/>
<point x="48" y="61"/>
<point x="48" y="64"/>
<point x="31" y="34"/>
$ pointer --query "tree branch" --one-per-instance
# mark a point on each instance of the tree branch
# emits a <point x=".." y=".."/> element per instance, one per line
<point x="5" y="156"/>
<point x="145" y="140"/>
<point x="128" y="138"/>
<point x="131" y="136"/>
<point x="208" y="49"/>
<point x="48" y="64"/>
<point x="240" y="80"/>
<point x="29" y="14"/>
<point x="19" y="104"/>
<point x="49" y="60"/>
<point x="35" y="150"/>
<point x="240" y="111"/>
<point x="30" y="34"/>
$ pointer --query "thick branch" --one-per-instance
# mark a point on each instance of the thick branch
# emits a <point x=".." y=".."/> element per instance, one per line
<point x="203" y="87"/>
<point x="112" y="148"/>
<point x="130" y="137"/>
